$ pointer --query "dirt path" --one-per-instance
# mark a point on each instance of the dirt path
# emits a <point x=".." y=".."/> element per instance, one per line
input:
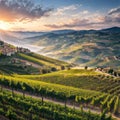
<point x="97" y="111"/>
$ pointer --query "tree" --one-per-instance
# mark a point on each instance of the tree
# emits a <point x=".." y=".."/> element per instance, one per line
<point x="53" y="69"/>
<point x="68" y="68"/>
<point x="110" y="71"/>
<point x="44" y="71"/>
<point x="86" y="67"/>
<point x="62" y="67"/>
<point x="115" y="74"/>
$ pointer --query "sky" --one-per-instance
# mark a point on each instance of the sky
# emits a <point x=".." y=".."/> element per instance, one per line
<point x="47" y="15"/>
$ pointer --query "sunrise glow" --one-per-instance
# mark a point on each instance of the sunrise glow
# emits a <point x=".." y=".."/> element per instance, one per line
<point x="4" y="26"/>
<point x="57" y="15"/>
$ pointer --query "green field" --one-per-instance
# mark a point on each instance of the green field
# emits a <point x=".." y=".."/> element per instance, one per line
<point x="85" y="88"/>
<point x="85" y="95"/>
<point x="42" y="60"/>
<point x="85" y="79"/>
<point x="33" y="64"/>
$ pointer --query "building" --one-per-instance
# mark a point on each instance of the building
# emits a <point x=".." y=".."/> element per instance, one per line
<point x="7" y="49"/>
<point x="23" y="50"/>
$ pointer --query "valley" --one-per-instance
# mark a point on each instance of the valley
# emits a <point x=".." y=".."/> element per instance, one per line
<point x="55" y="88"/>
<point x="59" y="59"/>
<point x="86" y="47"/>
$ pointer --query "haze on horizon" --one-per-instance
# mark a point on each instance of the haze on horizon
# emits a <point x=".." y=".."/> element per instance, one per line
<point x="47" y="15"/>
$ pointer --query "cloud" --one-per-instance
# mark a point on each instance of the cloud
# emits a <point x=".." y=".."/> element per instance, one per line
<point x="114" y="11"/>
<point x="63" y="10"/>
<point x="85" y="12"/>
<point x="112" y="19"/>
<point x="85" y="19"/>
<point x="74" y="23"/>
<point x="113" y="16"/>
<point x="20" y="10"/>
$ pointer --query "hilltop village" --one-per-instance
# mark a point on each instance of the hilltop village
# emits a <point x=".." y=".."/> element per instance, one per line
<point x="8" y="50"/>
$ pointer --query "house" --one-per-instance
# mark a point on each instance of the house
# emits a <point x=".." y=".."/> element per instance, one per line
<point x="23" y="50"/>
<point x="7" y="49"/>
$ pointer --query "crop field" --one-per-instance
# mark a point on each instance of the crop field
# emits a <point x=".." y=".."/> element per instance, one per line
<point x="106" y="101"/>
<point x="83" y="79"/>
<point x="12" y="107"/>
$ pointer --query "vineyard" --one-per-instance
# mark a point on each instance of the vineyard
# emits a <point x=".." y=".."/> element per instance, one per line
<point x="89" y="79"/>
<point x="29" y="63"/>
<point x="105" y="102"/>
<point x="59" y="59"/>
<point x="47" y="59"/>
<point x="28" y="108"/>
<point x="42" y="60"/>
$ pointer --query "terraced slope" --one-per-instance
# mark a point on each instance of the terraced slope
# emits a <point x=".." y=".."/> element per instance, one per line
<point x="29" y="64"/>
<point x="42" y="60"/>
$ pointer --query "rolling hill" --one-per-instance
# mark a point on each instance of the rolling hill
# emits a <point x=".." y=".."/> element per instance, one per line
<point x="80" y="78"/>
<point x="31" y="63"/>
<point x="87" y="47"/>
<point x="22" y="61"/>
<point x="90" y="89"/>
<point x="86" y="88"/>
<point x="84" y="47"/>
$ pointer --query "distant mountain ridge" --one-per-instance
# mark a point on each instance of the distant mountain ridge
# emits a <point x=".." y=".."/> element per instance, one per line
<point x="84" y="47"/>
<point x="113" y="29"/>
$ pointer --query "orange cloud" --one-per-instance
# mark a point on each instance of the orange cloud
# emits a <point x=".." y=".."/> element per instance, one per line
<point x="17" y="10"/>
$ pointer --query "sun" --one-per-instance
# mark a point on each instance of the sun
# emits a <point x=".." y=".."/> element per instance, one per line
<point x="4" y="26"/>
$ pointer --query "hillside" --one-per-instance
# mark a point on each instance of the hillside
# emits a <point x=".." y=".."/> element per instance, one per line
<point x="92" y="90"/>
<point x="87" y="47"/>
<point x="23" y="61"/>
<point x="59" y="59"/>
<point x="22" y="79"/>
<point x="80" y="78"/>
